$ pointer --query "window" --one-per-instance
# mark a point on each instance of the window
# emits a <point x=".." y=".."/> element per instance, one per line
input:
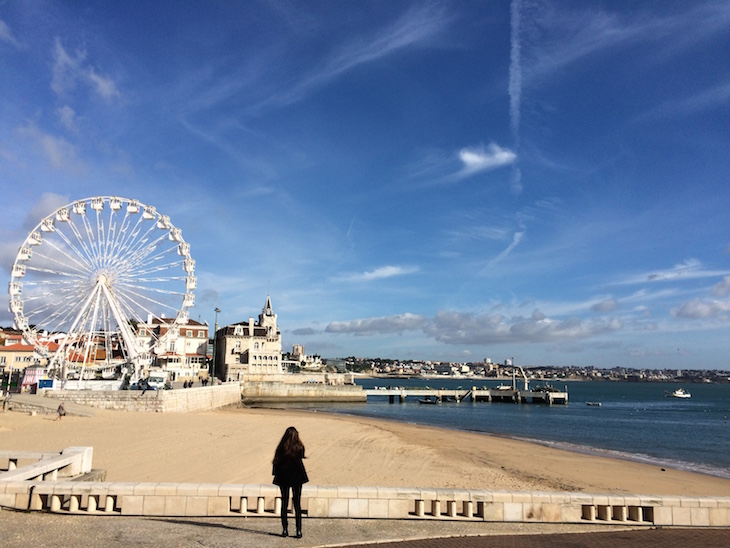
<point x="142" y="332"/>
<point x="189" y="333"/>
<point x="238" y="346"/>
<point x="256" y="345"/>
<point x="201" y="334"/>
<point x="238" y="330"/>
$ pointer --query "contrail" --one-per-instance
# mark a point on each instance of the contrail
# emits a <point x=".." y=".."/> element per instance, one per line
<point x="515" y="88"/>
<point x="515" y="70"/>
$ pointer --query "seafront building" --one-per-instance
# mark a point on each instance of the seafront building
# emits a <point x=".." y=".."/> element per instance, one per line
<point x="251" y="347"/>
<point x="182" y="352"/>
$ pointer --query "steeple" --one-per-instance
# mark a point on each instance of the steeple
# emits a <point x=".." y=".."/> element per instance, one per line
<point x="268" y="309"/>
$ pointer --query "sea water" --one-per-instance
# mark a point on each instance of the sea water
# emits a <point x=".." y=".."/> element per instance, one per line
<point x="637" y="421"/>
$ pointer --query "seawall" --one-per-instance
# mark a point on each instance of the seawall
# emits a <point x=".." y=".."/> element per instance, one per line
<point x="162" y="401"/>
<point x="271" y="392"/>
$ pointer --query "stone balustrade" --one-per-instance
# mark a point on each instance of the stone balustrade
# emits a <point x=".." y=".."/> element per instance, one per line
<point x="228" y="500"/>
<point x="35" y="487"/>
<point x="46" y="466"/>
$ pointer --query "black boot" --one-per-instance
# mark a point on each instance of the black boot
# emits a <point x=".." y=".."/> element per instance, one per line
<point x="285" y="532"/>
<point x="299" y="533"/>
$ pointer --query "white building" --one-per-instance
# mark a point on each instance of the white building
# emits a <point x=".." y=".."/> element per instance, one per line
<point x="249" y="347"/>
<point x="182" y="352"/>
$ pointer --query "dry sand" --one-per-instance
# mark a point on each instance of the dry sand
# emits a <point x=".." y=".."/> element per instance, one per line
<point x="236" y="446"/>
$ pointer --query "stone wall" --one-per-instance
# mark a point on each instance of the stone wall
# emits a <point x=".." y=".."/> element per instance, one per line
<point x="269" y="392"/>
<point x="163" y="401"/>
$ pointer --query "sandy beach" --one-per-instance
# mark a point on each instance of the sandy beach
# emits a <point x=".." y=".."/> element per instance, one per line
<point x="236" y="446"/>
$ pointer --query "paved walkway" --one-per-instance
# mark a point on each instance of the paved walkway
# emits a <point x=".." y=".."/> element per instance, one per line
<point x="49" y="406"/>
<point x="22" y="529"/>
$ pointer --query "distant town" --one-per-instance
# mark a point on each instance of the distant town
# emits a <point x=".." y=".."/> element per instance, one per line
<point x="488" y="369"/>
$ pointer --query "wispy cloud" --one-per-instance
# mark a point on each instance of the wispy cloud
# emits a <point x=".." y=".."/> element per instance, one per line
<point x="583" y="32"/>
<point x="688" y="270"/>
<point x="6" y="35"/>
<point x="606" y="305"/>
<point x="378" y="274"/>
<point x="516" y="239"/>
<point x="416" y="27"/>
<point x="60" y="153"/>
<point x="69" y="69"/>
<point x="712" y="98"/>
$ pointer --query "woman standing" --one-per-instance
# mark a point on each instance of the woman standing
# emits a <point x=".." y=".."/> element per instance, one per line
<point x="289" y="473"/>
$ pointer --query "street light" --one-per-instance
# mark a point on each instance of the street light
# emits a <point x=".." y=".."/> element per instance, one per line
<point x="215" y="330"/>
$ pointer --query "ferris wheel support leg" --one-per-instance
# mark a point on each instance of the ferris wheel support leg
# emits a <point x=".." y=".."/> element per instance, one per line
<point x="127" y="335"/>
<point x="63" y="346"/>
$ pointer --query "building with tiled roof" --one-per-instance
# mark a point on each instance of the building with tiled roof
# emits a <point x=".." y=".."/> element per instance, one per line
<point x="181" y="350"/>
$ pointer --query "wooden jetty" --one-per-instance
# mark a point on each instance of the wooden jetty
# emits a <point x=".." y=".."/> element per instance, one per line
<point x="510" y="394"/>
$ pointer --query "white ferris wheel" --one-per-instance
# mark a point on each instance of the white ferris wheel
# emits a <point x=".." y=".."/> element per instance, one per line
<point x="88" y="275"/>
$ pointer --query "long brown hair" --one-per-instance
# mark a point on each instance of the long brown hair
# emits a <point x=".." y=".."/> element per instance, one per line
<point x="290" y="447"/>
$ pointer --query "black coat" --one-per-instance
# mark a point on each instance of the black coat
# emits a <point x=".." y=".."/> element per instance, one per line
<point x="290" y="472"/>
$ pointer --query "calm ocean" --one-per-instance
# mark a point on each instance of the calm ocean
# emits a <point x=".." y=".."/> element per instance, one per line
<point x="635" y="420"/>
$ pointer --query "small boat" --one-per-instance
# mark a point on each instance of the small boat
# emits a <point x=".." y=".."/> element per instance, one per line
<point x="680" y="393"/>
<point x="593" y="404"/>
<point x="504" y="387"/>
<point x="428" y="400"/>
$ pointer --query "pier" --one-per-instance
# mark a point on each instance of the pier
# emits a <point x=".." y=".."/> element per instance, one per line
<point x="510" y="394"/>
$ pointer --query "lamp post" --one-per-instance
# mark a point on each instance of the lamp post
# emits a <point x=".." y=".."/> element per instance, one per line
<point x="215" y="330"/>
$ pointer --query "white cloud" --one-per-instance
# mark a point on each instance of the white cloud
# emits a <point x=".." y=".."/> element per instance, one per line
<point x="67" y="117"/>
<point x="697" y="309"/>
<point x="379" y="326"/>
<point x="68" y="70"/>
<point x="688" y="270"/>
<point x="722" y="288"/>
<point x="6" y="35"/>
<point x="461" y="328"/>
<point x="45" y="206"/>
<point x="478" y="159"/>
<point x="516" y="239"/>
<point x="379" y="274"/>
<point x="60" y="153"/>
<point x="607" y="305"/>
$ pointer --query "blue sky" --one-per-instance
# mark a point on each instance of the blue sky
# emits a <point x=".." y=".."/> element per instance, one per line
<point x="427" y="180"/>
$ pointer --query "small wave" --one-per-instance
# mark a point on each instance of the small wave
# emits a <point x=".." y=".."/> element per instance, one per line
<point x="675" y="464"/>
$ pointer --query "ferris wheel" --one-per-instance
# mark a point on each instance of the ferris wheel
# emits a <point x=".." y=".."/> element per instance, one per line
<point x="94" y="276"/>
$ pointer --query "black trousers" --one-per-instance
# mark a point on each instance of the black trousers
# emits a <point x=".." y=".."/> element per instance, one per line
<point x="296" y="502"/>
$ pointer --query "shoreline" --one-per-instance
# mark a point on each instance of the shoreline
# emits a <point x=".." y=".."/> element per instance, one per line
<point x="236" y="446"/>
<point x="586" y="450"/>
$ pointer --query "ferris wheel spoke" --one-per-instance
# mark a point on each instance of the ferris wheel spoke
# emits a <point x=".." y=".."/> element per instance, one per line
<point x="115" y="251"/>
<point x="142" y="253"/>
<point x="81" y="260"/>
<point x="80" y="270"/>
<point x="135" y="298"/>
<point x="88" y="253"/>
<point x="93" y="248"/>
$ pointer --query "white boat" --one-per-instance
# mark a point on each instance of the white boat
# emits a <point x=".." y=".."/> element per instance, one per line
<point x="680" y="393"/>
